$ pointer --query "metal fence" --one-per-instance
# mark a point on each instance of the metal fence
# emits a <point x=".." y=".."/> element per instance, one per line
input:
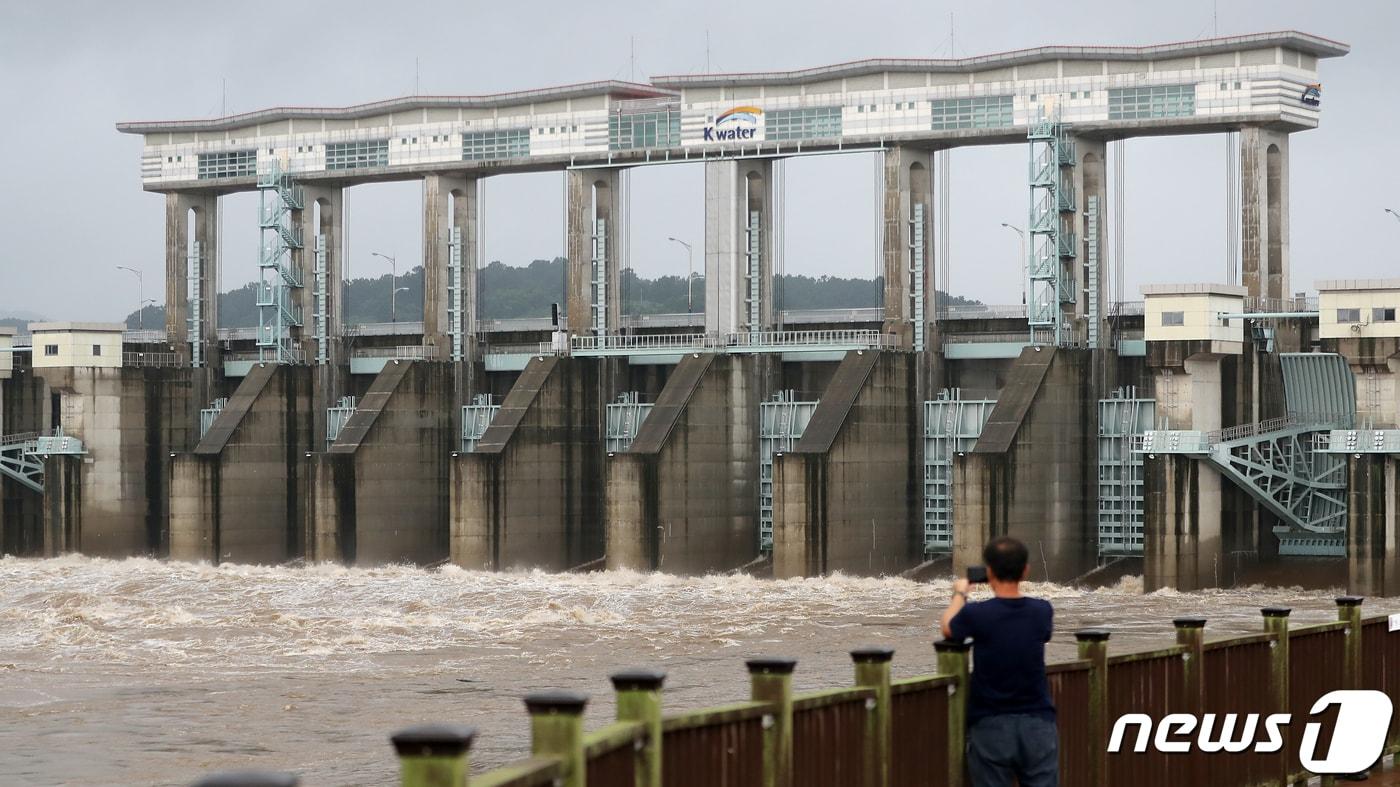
<point x="829" y="734"/>
<point x="884" y="733"/>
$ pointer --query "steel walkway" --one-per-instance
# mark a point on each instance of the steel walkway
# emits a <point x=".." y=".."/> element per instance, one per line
<point x="22" y="455"/>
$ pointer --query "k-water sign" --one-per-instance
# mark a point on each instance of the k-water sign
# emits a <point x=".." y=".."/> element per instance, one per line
<point x="739" y="124"/>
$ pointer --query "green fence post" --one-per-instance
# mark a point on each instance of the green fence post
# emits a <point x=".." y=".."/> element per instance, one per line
<point x="1276" y="623"/>
<point x="873" y="671"/>
<point x="249" y="779"/>
<point x="433" y="755"/>
<point x="639" y="699"/>
<point x="556" y="730"/>
<point x="952" y="661"/>
<point x="1191" y="632"/>
<point x="1093" y="648"/>
<point x="770" y="680"/>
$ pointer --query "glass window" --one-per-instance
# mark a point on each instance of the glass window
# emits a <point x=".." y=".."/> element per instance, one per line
<point x="657" y="129"/>
<point x="231" y="164"/>
<point x="1151" y="101"/>
<point x="508" y="143"/>
<point x="96" y="350"/>
<point x="50" y="349"/>
<point x="976" y="112"/>
<point x="807" y="123"/>
<point x="357" y="155"/>
<point x="1383" y="314"/>
<point x="1173" y="318"/>
<point x="1348" y="315"/>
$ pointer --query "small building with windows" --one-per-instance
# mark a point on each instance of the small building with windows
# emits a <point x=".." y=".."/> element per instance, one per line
<point x="7" y="351"/>
<point x="1192" y="312"/>
<point x="1358" y="308"/>
<point x="68" y="344"/>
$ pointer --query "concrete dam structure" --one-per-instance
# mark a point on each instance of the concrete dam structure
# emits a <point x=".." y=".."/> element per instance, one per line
<point x="1207" y="434"/>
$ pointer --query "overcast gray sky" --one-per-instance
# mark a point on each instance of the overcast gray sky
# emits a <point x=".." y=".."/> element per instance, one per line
<point x="71" y="205"/>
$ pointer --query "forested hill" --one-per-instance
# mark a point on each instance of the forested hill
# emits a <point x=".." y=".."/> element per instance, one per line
<point x="507" y="291"/>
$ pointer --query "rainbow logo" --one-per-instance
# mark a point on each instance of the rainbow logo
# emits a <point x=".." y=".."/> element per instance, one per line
<point x="734" y="125"/>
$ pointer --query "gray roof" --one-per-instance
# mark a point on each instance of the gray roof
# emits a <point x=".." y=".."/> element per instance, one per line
<point x="1302" y="42"/>
<point x="614" y="88"/>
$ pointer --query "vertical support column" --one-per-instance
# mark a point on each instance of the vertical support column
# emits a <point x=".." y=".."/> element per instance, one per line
<point x="953" y="662"/>
<point x="320" y="301"/>
<point x="734" y="191"/>
<point x="1091" y="228"/>
<point x="179" y="243"/>
<point x="556" y="730"/>
<point x="1276" y="623"/>
<point x="439" y="297"/>
<point x="1093" y="647"/>
<point x="594" y="196"/>
<point x="434" y="754"/>
<point x="908" y="265"/>
<point x="1191" y="632"/>
<point x="1349" y="610"/>
<point x="873" y="671"/>
<point x="1264" y="213"/>
<point x="770" y="680"/>
<point x="639" y="699"/>
<point x="1373" y="507"/>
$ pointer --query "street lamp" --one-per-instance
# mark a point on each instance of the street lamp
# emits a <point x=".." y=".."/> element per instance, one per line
<point x="1393" y="213"/>
<point x="140" y="295"/>
<point x="393" y="309"/>
<point x="393" y="283"/>
<point x="1024" y="262"/>
<point x="690" y="277"/>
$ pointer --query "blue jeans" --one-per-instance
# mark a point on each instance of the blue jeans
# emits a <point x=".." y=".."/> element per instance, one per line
<point x="1007" y="749"/>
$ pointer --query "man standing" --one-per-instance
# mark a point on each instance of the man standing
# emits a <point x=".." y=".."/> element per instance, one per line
<point x="1011" y="721"/>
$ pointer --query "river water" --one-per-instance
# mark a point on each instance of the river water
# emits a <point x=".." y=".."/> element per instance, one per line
<point x="145" y="672"/>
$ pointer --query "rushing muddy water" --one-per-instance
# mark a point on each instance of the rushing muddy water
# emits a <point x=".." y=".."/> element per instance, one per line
<point x="143" y="672"/>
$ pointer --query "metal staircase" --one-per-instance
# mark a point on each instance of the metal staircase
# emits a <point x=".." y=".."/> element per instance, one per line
<point x="278" y="312"/>
<point x="22" y="455"/>
<point x="1278" y="463"/>
<point x="1052" y="248"/>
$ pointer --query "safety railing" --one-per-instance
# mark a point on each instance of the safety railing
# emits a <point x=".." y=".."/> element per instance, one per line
<point x="157" y="360"/>
<point x="982" y="312"/>
<point x="143" y="336"/>
<point x="883" y="733"/>
<point x="384" y="329"/>
<point x="416" y="352"/>
<point x="841" y="338"/>
<point x="734" y="342"/>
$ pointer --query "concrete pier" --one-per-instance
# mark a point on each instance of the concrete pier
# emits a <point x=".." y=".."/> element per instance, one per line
<point x="1264" y="213"/>
<point x="1373" y="524"/>
<point x="909" y="296"/>
<point x="192" y="218"/>
<point x="380" y="490"/>
<point x="736" y="301"/>
<point x="684" y="498"/>
<point x="240" y="496"/>
<point x="448" y="203"/>
<point x="846" y="497"/>
<point x="1031" y="473"/>
<point x="531" y="495"/>
<point x="594" y="196"/>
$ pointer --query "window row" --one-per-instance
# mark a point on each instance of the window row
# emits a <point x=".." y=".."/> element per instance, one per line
<point x="357" y="155"/>
<point x="510" y="143"/>
<point x="644" y="130"/>
<point x="1378" y="314"/>
<point x="1151" y="101"/>
<point x="807" y="123"/>
<point x="975" y="112"/>
<point x="231" y="164"/>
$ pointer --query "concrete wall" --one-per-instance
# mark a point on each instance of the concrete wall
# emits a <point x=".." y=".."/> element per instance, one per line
<point x="848" y="497"/>
<point x="1373" y="525"/>
<point x="128" y="420"/>
<point x="684" y="498"/>
<point x="1374" y="301"/>
<point x="397" y="446"/>
<point x="1032" y="473"/>
<point x="24" y="407"/>
<point x="76" y="344"/>
<point x="1200" y="307"/>
<point x="239" y="497"/>
<point x="532" y="493"/>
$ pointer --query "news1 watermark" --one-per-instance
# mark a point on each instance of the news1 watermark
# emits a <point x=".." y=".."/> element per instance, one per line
<point x="1357" y="741"/>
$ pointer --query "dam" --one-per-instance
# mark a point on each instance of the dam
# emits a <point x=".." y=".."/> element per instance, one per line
<point x="1202" y="435"/>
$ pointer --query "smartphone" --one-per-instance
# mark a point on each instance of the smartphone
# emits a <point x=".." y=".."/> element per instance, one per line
<point x="976" y="574"/>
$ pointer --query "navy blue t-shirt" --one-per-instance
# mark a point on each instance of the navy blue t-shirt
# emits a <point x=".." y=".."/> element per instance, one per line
<point x="1008" y="651"/>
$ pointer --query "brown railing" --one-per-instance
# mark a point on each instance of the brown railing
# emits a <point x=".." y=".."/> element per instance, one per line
<point x="919" y="711"/>
<point x="1069" y="689"/>
<point x="1238" y="679"/>
<point x="829" y="731"/>
<point x="1153" y="684"/>
<point x="884" y="733"/>
<point x="722" y="747"/>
